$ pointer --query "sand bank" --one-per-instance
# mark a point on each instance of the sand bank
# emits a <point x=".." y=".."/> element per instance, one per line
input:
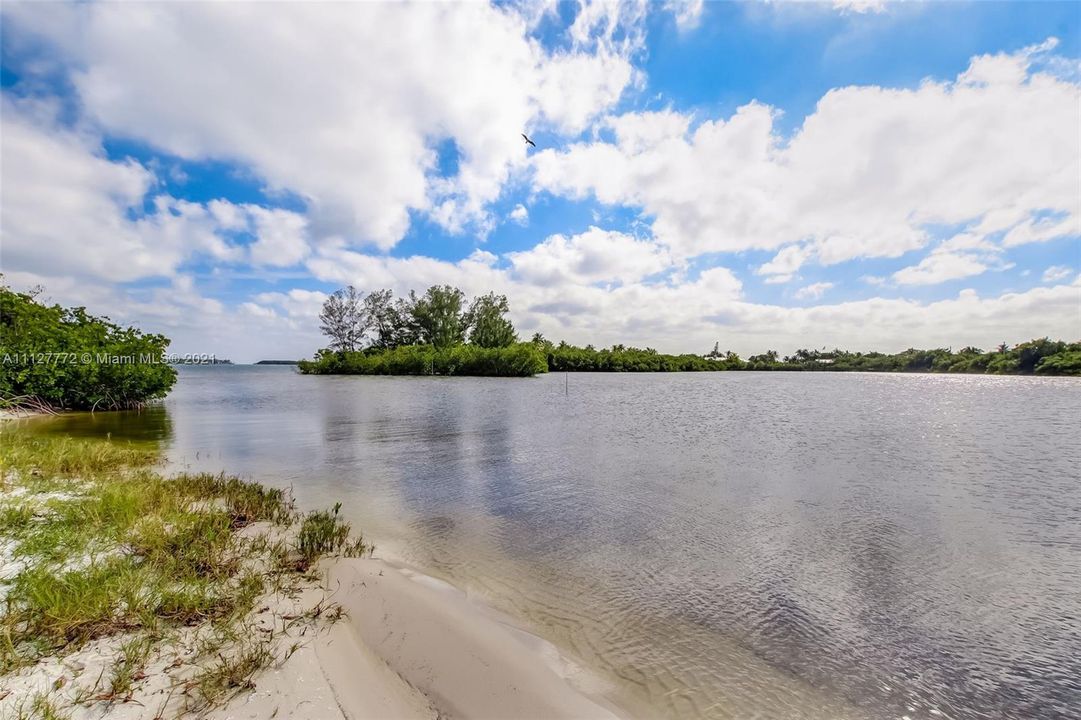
<point x="414" y="647"/>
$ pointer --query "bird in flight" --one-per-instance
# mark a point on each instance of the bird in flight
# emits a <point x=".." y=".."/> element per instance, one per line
<point x="528" y="141"/>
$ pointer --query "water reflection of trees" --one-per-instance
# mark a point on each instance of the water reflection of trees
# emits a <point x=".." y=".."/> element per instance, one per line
<point x="150" y="424"/>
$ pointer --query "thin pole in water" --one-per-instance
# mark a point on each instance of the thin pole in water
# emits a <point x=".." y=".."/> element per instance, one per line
<point x="566" y="383"/>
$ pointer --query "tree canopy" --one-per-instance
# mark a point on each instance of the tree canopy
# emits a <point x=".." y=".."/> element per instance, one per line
<point x="68" y="358"/>
<point x="439" y="318"/>
<point x="489" y="326"/>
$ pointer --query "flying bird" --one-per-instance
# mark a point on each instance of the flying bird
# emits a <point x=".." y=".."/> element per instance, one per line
<point x="528" y="141"/>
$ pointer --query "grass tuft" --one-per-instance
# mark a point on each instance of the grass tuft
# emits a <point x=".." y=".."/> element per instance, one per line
<point x="109" y="547"/>
<point x="323" y="532"/>
<point x="128" y="667"/>
<point x="233" y="672"/>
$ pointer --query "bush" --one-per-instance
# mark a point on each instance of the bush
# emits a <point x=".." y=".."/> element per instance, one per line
<point x="67" y="358"/>
<point x="1063" y="363"/>
<point x="519" y="360"/>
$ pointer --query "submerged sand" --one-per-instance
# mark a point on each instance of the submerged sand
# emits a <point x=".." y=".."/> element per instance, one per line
<point x="411" y="646"/>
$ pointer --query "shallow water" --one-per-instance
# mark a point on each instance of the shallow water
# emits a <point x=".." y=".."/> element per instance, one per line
<point x="727" y="545"/>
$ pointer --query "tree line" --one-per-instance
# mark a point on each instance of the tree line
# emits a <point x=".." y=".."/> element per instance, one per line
<point x="1041" y="356"/>
<point x="440" y="333"/>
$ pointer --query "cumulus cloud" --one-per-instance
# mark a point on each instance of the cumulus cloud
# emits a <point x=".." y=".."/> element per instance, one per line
<point x="590" y="257"/>
<point x="963" y="255"/>
<point x="69" y="210"/>
<point x="281" y="236"/>
<point x="940" y="267"/>
<point x="519" y="214"/>
<point x="349" y="122"/>
<point x="865" y="175"/>
<point x="1043" y="230"/>
<point x="813" y="291"/>
<point x="785" y="263"/>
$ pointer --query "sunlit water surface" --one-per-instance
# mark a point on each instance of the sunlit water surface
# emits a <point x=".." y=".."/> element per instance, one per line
<point x="728" y="545"/>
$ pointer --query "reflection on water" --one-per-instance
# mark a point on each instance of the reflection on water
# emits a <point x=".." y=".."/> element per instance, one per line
<point x="729" y="545"/>
<point x="151" y="424"/>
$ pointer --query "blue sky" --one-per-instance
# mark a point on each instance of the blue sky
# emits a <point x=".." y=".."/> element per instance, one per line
<point x="871" y="175"/>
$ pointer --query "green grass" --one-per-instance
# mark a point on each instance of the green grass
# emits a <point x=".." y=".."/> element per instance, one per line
<point x="129" y="665"/>
<point x="322" y="532"/>
<point x="234" y="671"/>
<point x="111" y="546"/>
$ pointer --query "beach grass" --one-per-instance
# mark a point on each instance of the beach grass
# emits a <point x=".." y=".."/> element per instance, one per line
<point x="98" y="543"/>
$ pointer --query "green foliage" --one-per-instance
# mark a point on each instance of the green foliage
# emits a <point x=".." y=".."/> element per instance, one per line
<point x="345" y="319"/>
<point x="111" y="547"/>
<point x="1041" y="356"/>
<point x="519" y="360"/>
<point x="322" y="532"/>
<point x="1045" y="357"/>
<point x="618" y="358"/>
<point x="439" y="316"/>
<point x="1067" y="362"/>
<point x="68" y="358"/>
<point x="391" y="320"/>
<point x="488" y="325"/>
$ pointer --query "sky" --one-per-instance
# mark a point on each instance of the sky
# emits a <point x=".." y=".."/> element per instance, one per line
<point x="762" y="175"/>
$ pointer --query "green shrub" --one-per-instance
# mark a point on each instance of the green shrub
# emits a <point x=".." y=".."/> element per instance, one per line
<point x="518" y="360"/>
<point x="67" y="358"/>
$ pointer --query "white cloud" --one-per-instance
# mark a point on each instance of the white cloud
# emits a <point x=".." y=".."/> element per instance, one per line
<point x="348" y="122"/>
<point x="940" y="267"/>
<point x="1043" y="230"/>
<point x="685" y="317"/>
<point x="590" y="257"/>
<point x="785" y="263"/>
<point x="860" y="6"/>
<point x="864" y="176"/>
<point x="813" y="291"/>
<point x="296" y="303"/>
<point x="687" y="13"/>
<point x="967" y="241"/>
<point x="69" y="210"/>
<point x="281" y="236"/>
<point x="1056" y="273"/>
<point x="519" y="214"/>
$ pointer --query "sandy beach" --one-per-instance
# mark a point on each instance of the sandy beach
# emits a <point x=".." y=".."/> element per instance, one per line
<point x="411" y="646"/>
<point x="346" y="635"/>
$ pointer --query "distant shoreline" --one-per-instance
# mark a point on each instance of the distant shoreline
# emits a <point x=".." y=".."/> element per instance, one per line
<point x="1037" y="357"/>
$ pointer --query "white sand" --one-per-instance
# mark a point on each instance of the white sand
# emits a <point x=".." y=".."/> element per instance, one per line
<point x="413" y="647"/>
<point x="332" y="677"/>
<point x="409" y="646"/>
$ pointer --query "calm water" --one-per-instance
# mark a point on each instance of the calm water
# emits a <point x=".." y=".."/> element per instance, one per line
<point x="729" y="545"/>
